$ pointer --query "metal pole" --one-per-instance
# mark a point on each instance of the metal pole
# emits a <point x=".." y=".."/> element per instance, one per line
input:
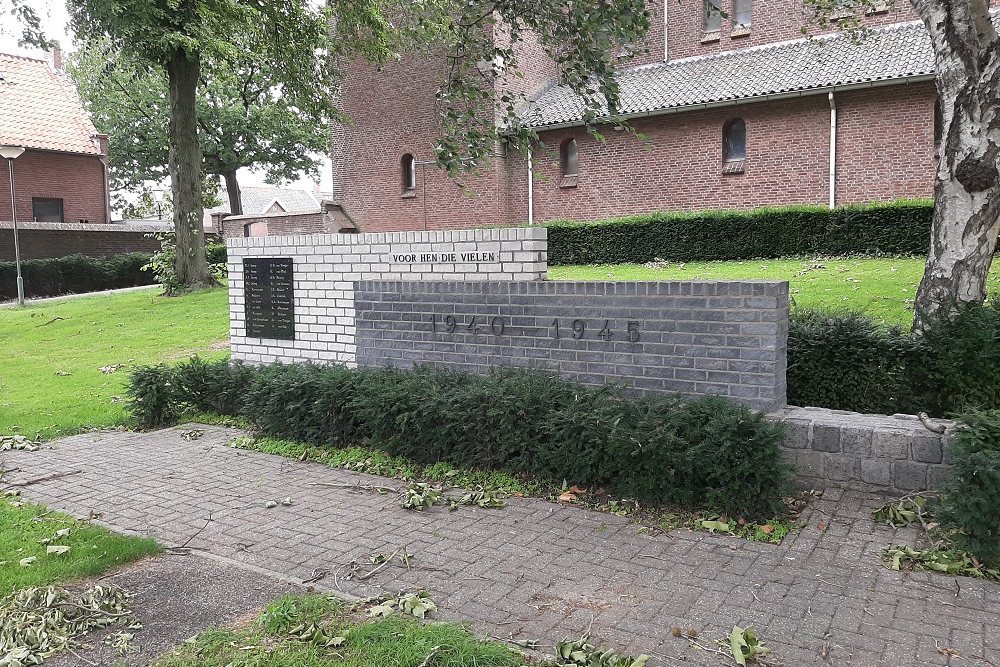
<point x="17" y="247"/>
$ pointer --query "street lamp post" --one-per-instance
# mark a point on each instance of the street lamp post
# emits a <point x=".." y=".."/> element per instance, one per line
<point x="11" y="153"/>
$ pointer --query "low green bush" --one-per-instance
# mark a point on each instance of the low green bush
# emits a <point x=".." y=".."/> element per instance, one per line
<point x="215" y="253"/>
<point x="846" y="361"/>
<point x="74" y="274"/>
<point x="957" y="365"/>
<point x="707" y="452"/>
<point x="971" y="503"/>
<point x="895" y="228"/>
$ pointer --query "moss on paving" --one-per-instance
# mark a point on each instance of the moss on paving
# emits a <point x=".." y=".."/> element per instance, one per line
<point x="23" y="528"/>
<point x="51" y="382"/>
<point x="281" y="638"/>
<point x="881" y="288"/>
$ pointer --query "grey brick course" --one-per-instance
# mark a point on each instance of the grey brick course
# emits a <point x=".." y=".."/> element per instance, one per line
<point x="534" y="570"/>
<point x="653" y="337"/>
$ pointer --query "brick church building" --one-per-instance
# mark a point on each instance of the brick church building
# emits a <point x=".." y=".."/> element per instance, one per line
<point x="737" y="112"/>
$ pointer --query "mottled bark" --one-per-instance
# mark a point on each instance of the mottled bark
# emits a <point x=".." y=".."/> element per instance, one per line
<point x="967" y="188"/>
<point x="185" y="171"/>
<point x="233" y="190"/>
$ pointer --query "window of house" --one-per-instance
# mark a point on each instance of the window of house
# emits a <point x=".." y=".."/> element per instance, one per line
<point x="938" y="124"/>
<point x="569" y="162"/>
<point x="408" y="174"/>
<point x="713" y="20"/>
<point x="742" y="18"/>
<point x="734" y="146"/>
<point x="46" y="209"/>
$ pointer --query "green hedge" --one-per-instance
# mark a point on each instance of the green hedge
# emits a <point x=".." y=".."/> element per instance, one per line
<point x="971" y="502"/>
<point x="845" y="361"/>
<point x="74" y="274"/>
<point x="708" y="452"/>
<point x="897" y="228"/>
<point x="215" y="253"/>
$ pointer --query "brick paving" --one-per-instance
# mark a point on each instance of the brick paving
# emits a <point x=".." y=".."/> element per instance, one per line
<point x="534" y="570"/>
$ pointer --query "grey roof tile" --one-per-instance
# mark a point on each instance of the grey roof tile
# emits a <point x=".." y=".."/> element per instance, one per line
<point x="258" y="199"/>
<point x="888" y="53"/>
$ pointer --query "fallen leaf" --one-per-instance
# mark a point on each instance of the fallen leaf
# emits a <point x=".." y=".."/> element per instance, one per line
<point x="567" y="497"/>
<point x="577" y="490"/>
<point x="25" y="562"/>
<point x="821" y="526"/>
<point x="767" y="529"/>
<point x="57" y="549"/>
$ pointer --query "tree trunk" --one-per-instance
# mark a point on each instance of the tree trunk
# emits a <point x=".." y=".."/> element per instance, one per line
<point x="233" y="190"/>
<point x="185" y="171"/>
<point x="967" y="188"/>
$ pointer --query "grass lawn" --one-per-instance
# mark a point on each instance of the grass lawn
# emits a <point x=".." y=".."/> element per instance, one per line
<point x="293" y="631"/>
<point x="92" y="548"/>
<point x="51" y="381"/>
<point x="880" y="288"/>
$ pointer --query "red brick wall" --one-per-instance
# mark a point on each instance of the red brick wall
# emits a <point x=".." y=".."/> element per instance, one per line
<point x="884" y="142"/>
<point x="772" y="21"/>
<point x="393" y="112"/>
<point x="277" y="225"/>
<point x="76" y="179"/>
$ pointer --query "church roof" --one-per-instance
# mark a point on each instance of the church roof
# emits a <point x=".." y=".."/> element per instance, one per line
<point x="890" y="54"/>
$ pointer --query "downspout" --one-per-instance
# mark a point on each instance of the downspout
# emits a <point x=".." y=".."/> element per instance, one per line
<point x="531" y="190"/>
<point x="666" y="32"/>
<point x="107" y="192"/>
<point x="833" y="151"/>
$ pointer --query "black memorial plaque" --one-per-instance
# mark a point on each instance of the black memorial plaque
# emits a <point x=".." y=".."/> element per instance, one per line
<point x="269" y="296"/>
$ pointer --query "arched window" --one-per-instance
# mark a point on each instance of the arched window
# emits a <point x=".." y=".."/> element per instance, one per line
<point x="742" y="16"/>
<point x="938" y="124"/>
<point x="569" y="159"/>
<point x="734" y="140"/>
<point x="713" y="18"/>
<point x="408" y="171"/>
<point x="734" y="146"/>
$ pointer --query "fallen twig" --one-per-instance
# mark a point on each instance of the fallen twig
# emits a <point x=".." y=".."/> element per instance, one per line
<point x="46" y="478"/>
<point x="188" y="540"/>
<point x="430" y="656"/>
<point x="929" y="425"/>
<point x="55" y="319"/>
<point x="380" y="567"/>
<point x="356" y="487"/>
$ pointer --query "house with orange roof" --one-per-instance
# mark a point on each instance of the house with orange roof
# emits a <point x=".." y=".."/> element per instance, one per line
<point x="62" y="174"/>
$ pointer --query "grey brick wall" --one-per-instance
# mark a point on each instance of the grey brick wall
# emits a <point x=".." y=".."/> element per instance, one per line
<point x="719" y="338"/>
<point x="893" y="453"/>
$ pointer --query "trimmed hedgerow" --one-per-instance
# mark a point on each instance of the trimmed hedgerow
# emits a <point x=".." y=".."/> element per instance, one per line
<point x="74" y="274"/>
<point x="216" y="253"/>
<point x="971" y="502"/>
<point x="896" y="228"/>
<point x="710" y="452"/>
<point x="846" y="361"/>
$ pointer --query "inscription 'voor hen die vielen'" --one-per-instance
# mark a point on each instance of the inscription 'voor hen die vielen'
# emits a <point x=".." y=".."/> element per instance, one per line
<point x="443" y="257"/>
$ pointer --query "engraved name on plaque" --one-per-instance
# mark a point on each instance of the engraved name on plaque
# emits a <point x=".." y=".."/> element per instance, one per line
<point x="270" y="298"/>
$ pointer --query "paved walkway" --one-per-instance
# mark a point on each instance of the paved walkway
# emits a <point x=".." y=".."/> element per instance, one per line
<point x="535" y="570"/>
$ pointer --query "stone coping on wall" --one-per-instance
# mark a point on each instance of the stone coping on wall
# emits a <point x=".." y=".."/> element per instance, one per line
<point x="893" y="453"/>
<point x="485" y="235"/>
<point x="113" y="227"/>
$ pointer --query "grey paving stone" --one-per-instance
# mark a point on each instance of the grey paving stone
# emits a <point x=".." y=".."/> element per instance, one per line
<point x="535" y="569"/>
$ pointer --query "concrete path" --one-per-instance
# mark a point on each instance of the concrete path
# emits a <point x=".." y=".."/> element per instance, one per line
<point x="83" y="295"/>
<point x="534" y="570"/>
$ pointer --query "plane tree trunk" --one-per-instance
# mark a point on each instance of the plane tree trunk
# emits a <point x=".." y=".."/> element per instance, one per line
<point x="185" y="170"/>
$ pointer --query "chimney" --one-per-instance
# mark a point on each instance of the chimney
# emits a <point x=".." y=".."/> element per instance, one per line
<point x="54" y="56"/>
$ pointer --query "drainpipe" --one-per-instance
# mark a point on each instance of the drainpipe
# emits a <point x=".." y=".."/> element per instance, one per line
<point x="666" y="32"/>
<point x="833" y="151"/>
<point x="531" y="190"/>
